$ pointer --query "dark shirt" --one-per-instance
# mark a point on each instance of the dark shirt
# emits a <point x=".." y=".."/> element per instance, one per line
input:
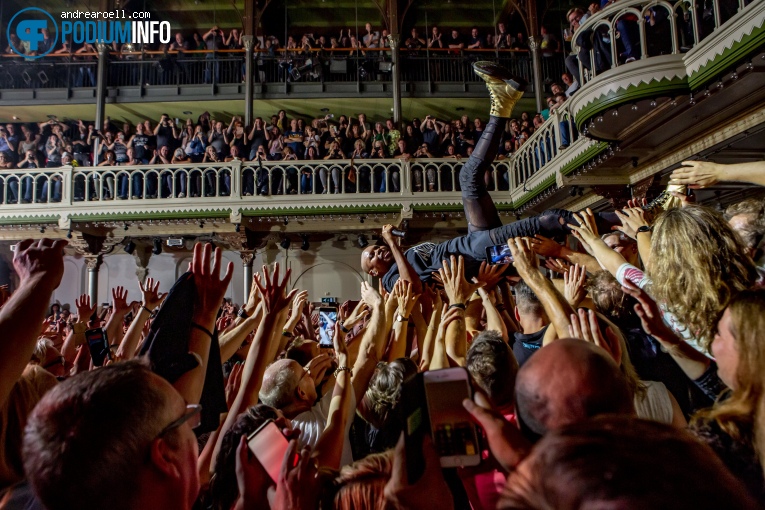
<point x="738" y="456"/>
<point x="430" y="137"/>
<point x="524" y="346"/>
<point x="140" y="144"/>
<point x="165" y="137"/>
<point x="454" y="41"/>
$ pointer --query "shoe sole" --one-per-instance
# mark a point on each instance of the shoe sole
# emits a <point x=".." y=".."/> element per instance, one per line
<point x="498" y="72"/>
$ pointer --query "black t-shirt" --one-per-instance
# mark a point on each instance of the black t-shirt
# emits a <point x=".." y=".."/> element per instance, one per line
<point x="165" y="137"/>
<point x="454" y="41"/>
<point x="524" y="346"/>
<point x="140" y="146"/>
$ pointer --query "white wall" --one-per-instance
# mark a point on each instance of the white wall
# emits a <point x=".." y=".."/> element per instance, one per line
<point x="330" y="268"/>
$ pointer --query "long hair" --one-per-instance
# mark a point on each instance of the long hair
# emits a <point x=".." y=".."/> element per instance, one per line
<point x="697" y="264"/>
<point x="742" y="414"/>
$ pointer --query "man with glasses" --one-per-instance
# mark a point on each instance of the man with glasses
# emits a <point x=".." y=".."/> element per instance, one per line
<point x="119" y="437"/>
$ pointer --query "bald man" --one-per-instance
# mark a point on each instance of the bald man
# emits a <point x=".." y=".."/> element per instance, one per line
<point x="566" y="382"/>
<point x="485" y="228"/>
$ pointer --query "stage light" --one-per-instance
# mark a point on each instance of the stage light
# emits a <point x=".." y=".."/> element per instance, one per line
<point x="157" y="249"/>
<point x="285" y="243"/>
<point x="363" y="243"/>
<point x="130" y="247"/>
<point x="305" y="245"/>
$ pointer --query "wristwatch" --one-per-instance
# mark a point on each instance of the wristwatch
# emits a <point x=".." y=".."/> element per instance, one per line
<point x="644" y="228"/>
<point x="401" y="318"/>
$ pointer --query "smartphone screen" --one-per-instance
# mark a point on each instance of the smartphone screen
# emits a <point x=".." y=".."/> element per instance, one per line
<point x="327" y="319"/>
<point x="98" y="345"/>
<point x="453" y="432"/>
<point x="499" y="254"/>
<point x="269" y="445"/>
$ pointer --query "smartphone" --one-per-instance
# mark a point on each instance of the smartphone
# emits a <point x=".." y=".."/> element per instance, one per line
<point x="452" y="429"/>
<point x="432" y="404"/>
<point x="98" y="344"/>
<point x="327" y="319"/>
<point x="498" y="254"/>
<point x="269" y="445"/>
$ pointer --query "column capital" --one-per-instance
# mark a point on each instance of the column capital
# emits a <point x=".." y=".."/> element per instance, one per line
<point x="248" y="41"/>
<point x="93" y="262"/>
<point x="247" y="257"/>
<point x="532" y="43"/>
<point x="393" y="40"/>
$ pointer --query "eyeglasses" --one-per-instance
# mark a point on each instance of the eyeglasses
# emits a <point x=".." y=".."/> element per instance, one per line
<point x="193" y="415"/>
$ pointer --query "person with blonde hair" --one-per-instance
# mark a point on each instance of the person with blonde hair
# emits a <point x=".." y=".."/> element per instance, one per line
<point x="362" y="484"/>
<point x="735" y="426"/>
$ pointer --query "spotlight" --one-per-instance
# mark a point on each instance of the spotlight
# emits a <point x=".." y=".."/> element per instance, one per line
<point x="130" y="247"/>
<point x="361" y="219"/>
<point x="201" y="224"/>
<point x="285" y="243"/>
<point x="363" y="242"/>
<point x="157" y="249"/>
<point x="237" y="228"/>
<point x="42" y="230"/>
<point x="286" y="221"/>
<point x="572" y="191"/>
<point x="69" y="234"/>
<point x="305" y="245"/>
<point x="125" y="227"/>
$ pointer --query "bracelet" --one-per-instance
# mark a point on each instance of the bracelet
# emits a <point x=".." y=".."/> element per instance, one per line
<point x="344" y="329"/>
<point x="202" y="329"/>
<point x="287" y="334"/>
<point x="461" y="306"/>
<point x="150" y="311"/>
<point x="241" y="313"/>
<point x="344" y="369"/>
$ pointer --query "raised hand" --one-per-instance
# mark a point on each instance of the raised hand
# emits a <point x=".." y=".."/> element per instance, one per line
<point x="584" y="326"/>
<point x="253" y="299"/>
<point x="632" y="219"/>
<point x="252" y="479"/>
<point x="574" y="281"/>
<point x="40" y="263"/>
<point x="490" y="275"/>
<point x="586" y="232"/>
<point x="697" y="174"/>
<point x="650" y="314"/>
<point x="359" y="313"/>
<point x="506" y="443"/>
<point x="210" y="287"/>
<point x="119" y="301"/>
<point x="84" y="309"/>
<point x="275" y="298"/>
<point x="150" y="297"/>
<point x="457" y="288"/>
<point x="524" y="260"/>
<point x="233" y="382"/>
<point x="430" y="491"/>
<point x="370" y="296"/>
<point x="560" y="266"/>
<point x="545" y="247"/>
<point x="406" y="299"/>
<point x="298" y="486"/>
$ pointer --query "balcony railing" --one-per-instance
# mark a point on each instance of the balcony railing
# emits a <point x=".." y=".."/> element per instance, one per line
<point x="271" y="182"/>
<point x="639" y="29"/>
<point x="228" y="67"/>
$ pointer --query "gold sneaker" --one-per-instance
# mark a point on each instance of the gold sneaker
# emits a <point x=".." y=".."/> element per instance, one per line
<point x="666" y="200"/>
<point x="504" y="89"/>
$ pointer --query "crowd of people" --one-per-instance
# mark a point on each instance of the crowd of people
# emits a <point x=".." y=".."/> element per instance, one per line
<point x="55" y="143"/>
<point x="628" y="375"/>
<point x="635" y="379"/>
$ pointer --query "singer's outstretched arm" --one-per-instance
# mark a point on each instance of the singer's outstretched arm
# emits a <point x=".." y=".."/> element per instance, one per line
<point x="405" y="270"/>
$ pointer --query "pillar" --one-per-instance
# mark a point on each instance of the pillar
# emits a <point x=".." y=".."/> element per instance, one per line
<point x="103" y="56"/>
<point x="247" y="260"/>
<point x="394" y="40"/>
<point x="249" y="42"/>
<point x="93" y="263"/>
